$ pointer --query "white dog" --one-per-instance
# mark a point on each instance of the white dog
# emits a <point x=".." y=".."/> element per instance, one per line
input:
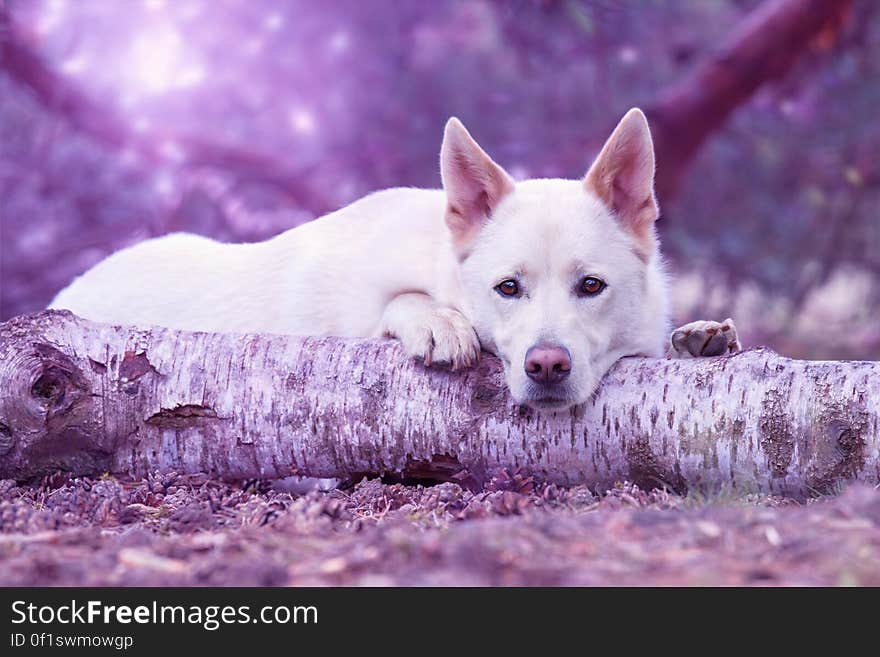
<point x="558" y="278"/>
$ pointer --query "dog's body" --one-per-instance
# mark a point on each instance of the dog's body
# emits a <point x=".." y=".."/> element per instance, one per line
<point x="332" y="276"/>
<point x="559" y="278"/>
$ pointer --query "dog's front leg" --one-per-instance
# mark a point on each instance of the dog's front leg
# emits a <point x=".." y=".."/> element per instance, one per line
<point x="430" y="331"/>
<point x="704" y="338"/>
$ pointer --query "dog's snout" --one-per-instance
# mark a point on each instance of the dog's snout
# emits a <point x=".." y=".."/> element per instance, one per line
<point x="547" y="363"/>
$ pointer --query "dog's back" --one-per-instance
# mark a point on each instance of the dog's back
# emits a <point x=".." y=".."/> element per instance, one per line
<point x="333" y="275"/>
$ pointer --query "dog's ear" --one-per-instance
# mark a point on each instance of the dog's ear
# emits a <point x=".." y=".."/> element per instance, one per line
<point x="474" y="184"/>
<point x="623" y="178"/>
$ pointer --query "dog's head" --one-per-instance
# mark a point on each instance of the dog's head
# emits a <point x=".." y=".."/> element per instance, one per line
<point x="560" y="277"/>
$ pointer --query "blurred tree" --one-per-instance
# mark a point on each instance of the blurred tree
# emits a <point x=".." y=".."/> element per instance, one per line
<point x="239" y="119"/>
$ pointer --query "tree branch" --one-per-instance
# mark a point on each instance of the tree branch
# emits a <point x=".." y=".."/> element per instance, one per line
<point x="761" y="49"/>
<point x="104" y="125"/>
<point x="89" y="398"/>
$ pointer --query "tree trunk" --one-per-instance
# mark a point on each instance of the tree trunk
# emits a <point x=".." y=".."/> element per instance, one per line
<point x="89" y="398"/>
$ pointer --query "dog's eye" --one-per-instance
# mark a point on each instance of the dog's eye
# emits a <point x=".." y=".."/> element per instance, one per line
<point x="508" y="288"/>
<point x="591" y="286"/>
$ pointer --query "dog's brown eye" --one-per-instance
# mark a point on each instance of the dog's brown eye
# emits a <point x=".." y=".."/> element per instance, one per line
<point x="508" y="288"/>
<point x="591" y="286"/>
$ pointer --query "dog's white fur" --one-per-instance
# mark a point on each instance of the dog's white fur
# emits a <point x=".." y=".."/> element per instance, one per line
<point x="423" y="265"/>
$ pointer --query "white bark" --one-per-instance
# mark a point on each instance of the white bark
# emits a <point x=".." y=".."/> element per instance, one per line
<point x="88" y="398"/>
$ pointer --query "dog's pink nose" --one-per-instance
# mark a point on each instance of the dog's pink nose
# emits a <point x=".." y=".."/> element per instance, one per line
<point x="548" y="363"/>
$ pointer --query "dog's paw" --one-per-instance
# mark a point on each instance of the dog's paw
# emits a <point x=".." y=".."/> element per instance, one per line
<point x="704" y="338"/>
<point x="442" y="336"/>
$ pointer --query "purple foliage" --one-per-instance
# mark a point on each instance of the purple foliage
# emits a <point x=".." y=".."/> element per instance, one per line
<point x="223" y="102"/>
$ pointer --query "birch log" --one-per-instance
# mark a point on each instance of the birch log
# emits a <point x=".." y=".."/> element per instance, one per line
<point x="89" y="398"/>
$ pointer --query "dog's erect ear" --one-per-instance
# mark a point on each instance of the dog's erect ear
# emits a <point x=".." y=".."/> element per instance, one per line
<point x="474" y="184"/>
<point x="623" y="178"/>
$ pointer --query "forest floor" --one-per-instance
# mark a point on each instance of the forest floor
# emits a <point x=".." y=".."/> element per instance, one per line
<point x="185" y="530"/>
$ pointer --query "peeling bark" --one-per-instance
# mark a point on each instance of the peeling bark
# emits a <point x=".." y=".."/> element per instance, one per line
<point x="90" y="398"/>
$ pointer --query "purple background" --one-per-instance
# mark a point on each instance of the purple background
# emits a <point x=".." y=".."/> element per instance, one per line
<point x="239" y="119"/>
